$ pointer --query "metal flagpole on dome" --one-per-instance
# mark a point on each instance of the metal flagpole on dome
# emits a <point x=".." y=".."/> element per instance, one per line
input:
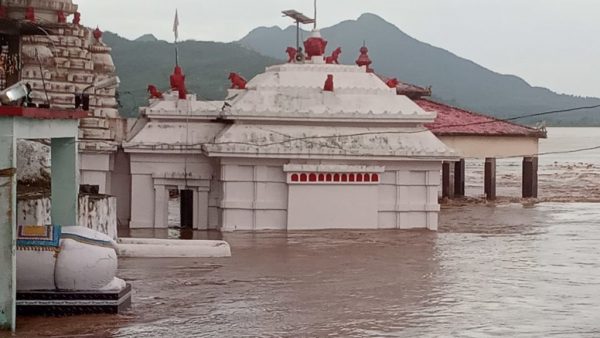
<point x="176" y="32"/>
<point x="315" y="23"/>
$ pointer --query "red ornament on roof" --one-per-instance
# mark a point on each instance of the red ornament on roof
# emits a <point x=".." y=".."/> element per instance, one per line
<point x="178" y="82"/>
<point x="97" y="33"/>
<point x="76" y="18"/>
<point x="364" y="60"/>
<point x="328" y="87"/>
<point x="334" y="56"/>
<point x="2" y="12"/>
<point x="237" y="81"/>
<point x="315" y="45"/>
<point x="60" y="17"/>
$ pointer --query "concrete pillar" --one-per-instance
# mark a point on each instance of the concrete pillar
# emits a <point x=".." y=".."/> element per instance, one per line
<point x="200" y="209"/>
<point x="490" y="178"/>
<point x="447" y="180"/>
<point x="459" y="178"/>
<point x="8" y="206"/>
<point x="161" y="206"/>
<point x="530" y="177"/>
<point x="65" y="181"/>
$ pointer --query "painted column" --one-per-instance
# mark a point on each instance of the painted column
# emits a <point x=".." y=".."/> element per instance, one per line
<point x="8" y="206"/>
<point x="530" y="177"/>
<point x="490" y="179"/>
<point x="65" y="181"/>
<point x="459" y="178"/>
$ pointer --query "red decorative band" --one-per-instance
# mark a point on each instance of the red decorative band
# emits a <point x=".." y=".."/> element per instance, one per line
<point x="334" y="177"/>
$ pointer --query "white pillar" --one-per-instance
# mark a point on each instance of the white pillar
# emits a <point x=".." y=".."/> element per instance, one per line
<point x="8" y="206"/>
<point x="161" y="207"/>
<point x="200" y="209"/>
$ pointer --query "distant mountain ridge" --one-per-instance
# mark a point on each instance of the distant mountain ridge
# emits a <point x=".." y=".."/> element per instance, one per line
<point x="454" y="80"/>
<point x="147" y="38"/>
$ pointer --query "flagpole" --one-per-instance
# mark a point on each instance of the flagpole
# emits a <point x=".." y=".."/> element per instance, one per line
<point x="176" y="32"/>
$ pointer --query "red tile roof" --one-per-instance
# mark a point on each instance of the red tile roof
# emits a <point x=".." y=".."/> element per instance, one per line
<point x="452" y="121"/>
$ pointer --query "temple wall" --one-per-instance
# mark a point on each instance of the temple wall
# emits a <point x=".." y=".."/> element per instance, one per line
<point x="97" y="212"/>
<point x="255" y="195"/>
<point x="408" y="196"/>
<point x="264" y="195"/>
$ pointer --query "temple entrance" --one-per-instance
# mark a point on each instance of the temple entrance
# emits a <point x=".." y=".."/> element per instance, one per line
<point x="186" y="208"/>
<point x="181" y="208"/>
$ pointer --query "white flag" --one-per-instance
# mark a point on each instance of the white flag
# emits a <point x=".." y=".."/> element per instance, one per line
<point x="176" y="26"/>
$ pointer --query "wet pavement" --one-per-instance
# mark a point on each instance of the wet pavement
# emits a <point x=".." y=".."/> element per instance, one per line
<point x="509" y="270"/>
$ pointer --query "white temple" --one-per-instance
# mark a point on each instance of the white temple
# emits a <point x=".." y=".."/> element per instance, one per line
<point x="304" y="145"/>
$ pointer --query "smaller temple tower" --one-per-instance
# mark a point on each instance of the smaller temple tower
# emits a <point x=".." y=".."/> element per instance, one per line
<point x="59" y="58"/>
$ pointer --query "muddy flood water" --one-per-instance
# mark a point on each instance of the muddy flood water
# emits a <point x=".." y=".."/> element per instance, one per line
<point x="510" y="270"/>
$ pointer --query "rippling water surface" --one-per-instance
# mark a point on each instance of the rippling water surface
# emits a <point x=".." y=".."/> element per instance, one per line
<point x="510" y="270"/>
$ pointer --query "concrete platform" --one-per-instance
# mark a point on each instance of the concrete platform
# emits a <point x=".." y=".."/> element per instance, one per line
<point x="166" y="248"/>
<point x="61" y="303"/>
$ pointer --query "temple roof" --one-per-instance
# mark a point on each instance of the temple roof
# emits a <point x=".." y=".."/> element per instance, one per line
<point x="273" y="141"/>
<point x="292" y="91"/>
<point x="453" y="121"/>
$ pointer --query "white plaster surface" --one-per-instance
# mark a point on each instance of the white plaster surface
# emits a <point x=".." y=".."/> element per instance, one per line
<point x="33" y="161"/>
<point x="332" y="207"/>
<point x="95" y="212"/>
<point x="156" y="248"/>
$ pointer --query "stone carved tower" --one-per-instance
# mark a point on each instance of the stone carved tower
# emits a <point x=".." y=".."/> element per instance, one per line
<point x="66" y="59"/>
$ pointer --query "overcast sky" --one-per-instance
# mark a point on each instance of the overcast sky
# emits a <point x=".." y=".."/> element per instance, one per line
<point x="549" y="43"/>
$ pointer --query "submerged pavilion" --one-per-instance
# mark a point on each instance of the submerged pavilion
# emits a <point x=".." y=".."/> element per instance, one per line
<point x="310" y="144"/>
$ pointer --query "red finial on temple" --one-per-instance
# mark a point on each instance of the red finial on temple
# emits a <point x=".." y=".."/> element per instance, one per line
<point x="363" y="60"/>
<point x="178" y="82"/>
<point x="315" y="45"/>
<point x="97" y="33"/>
<point x="2" y="12"/>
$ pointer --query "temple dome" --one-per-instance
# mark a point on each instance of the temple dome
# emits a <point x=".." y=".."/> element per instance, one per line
<point x="294" y="91"/>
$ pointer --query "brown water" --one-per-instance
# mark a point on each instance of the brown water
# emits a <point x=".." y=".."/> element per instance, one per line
<point x="511" y="270"/>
